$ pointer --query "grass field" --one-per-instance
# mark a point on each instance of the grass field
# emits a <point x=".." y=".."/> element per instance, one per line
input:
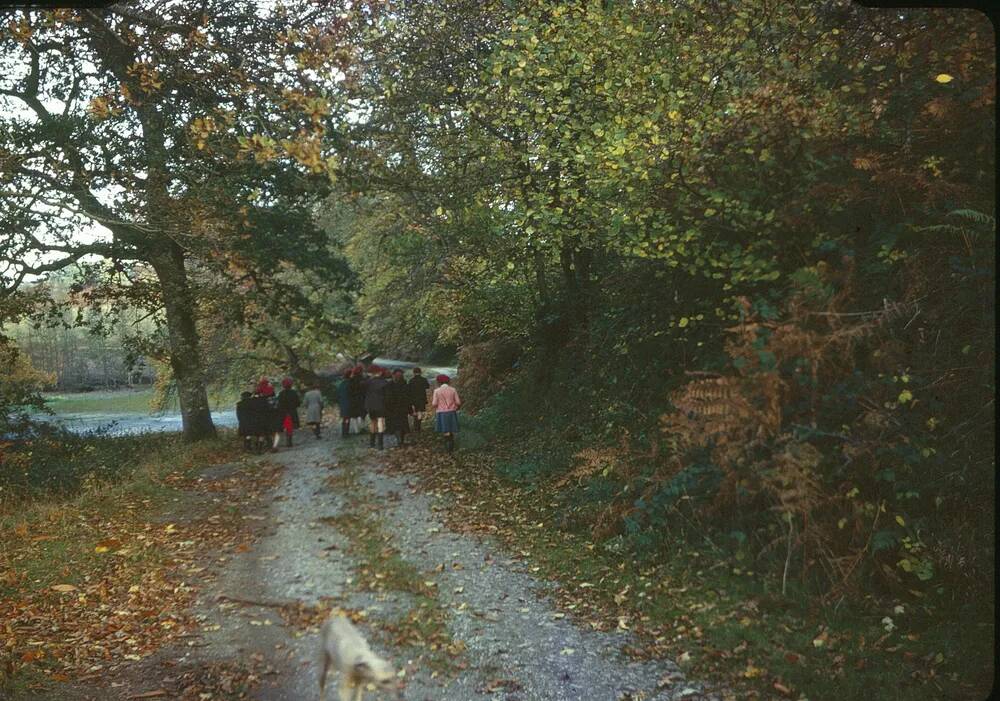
<point x="117" y="401"/>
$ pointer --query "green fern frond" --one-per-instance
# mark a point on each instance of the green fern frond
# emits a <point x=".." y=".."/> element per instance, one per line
<point x="940" y="229"/>
<point x="975" y="217"/>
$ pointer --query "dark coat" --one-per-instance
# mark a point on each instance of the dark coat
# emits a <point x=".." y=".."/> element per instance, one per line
<point x="254" y="416"/>
<point x="375" y="396"/>
<point x="398" y="405"/>
<point x="344" y="397"/>
<point x="357" y="395"/>
<point x="288" y="405"/>
<point x="418" y="391"/>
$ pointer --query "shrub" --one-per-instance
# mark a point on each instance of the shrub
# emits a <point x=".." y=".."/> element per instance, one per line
<point x="52" y="461"/>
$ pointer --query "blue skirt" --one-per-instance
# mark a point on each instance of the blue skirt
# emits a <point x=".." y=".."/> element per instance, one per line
<point x="446" y="422"/>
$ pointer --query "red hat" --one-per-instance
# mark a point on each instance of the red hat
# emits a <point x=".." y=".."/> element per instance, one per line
<point x="442" y="379"/>
<point x="374" y="370"/>
<point x="286" y="383"/>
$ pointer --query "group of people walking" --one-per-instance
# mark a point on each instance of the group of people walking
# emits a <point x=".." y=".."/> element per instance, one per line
<point x="385" y="398"/>
<point x="264" y="417"/>
<point x="390" y="403"/>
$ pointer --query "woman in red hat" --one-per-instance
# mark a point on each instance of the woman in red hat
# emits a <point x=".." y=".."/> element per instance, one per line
<point x="264" y="387"/>
<point x="446" y="402"/>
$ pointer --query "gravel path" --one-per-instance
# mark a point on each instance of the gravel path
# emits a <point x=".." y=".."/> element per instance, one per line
<point x="502" y="615"/>
<point x="518" y="646"/>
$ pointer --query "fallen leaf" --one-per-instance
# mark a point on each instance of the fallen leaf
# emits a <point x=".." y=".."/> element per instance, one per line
<point x="751" y="672"/>
<point x="64" y="588"/>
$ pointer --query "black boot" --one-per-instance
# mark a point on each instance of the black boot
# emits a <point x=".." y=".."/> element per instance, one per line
<point x="288" y="439"/>
<point x="449" y="443"/>
<point x="371" y="439"/>
<point x="381" y="441"/>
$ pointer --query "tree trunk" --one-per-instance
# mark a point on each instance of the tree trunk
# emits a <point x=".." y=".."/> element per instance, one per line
<point x="185" y="355"/>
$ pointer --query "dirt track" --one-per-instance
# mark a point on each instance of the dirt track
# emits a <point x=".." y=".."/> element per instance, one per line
<point x="259" y="611"/>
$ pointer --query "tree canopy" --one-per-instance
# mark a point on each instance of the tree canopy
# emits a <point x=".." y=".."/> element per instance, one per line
<point x="187" y="139"/>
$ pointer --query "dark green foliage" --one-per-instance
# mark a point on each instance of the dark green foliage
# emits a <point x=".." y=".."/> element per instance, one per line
<point x="49" y="461"/>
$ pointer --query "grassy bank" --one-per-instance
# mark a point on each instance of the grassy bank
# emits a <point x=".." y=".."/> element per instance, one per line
<point x="88" y="576"/>
<point x="705" y="602"/>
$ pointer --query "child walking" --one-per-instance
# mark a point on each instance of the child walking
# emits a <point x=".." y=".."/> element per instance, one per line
<point x="446" y="402"/>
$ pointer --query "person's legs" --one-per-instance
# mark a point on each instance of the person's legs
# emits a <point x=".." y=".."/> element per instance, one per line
<point x="345" y="427"/>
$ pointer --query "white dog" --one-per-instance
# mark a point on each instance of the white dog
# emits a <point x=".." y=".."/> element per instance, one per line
<point x="345" y="649"/>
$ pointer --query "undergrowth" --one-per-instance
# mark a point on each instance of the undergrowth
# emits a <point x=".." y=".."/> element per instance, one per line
<point x="814" y="463"/>
<point x="60" y="463"/>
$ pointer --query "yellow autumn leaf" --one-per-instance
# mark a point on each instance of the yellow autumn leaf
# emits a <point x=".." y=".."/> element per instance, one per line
<point x="944" y="78"/>
<point x="107" y="545"/>
<point x="905" y="396"/>
<point x="900" y="521"/>
<point x="683" y="322"/>
<point x="64" y="588"/>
